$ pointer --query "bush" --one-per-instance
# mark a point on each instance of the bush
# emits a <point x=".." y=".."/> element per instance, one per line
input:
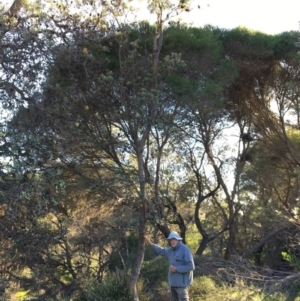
<point x="292" y="259"/>
<point x="155" y="271"/>
<point x="113" y="288"/>
<point x="201" y="287"/>
<point x="161" y="292"/>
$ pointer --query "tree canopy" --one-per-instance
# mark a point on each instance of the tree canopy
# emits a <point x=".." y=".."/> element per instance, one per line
<point x="113" y="129"/>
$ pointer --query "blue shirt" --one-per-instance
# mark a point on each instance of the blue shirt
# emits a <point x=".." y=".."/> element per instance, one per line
<point x="182" y="258"/>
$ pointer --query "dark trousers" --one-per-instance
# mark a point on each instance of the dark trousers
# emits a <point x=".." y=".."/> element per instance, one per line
<point x="179" y="293"/>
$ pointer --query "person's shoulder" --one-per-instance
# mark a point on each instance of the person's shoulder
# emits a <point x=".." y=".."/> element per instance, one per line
<point x="184" y="246"/>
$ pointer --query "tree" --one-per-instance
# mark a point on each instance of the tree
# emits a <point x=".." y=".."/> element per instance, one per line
<point x="105" y="114"/>
<point x="268" y="129"/>
<point x="117" y="118"/>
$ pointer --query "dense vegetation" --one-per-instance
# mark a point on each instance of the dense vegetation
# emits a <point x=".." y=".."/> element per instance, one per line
<point x="112" y="129"/>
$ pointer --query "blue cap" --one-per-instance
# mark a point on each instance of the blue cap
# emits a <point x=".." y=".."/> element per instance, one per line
<point x="175" y="235"/>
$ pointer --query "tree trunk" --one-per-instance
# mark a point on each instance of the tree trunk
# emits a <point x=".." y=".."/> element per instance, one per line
<point x="263" y="241"/>
<point x="203" y="244"/>
<point x="164" y="229"/>
<point x="142" y="224"/>
<point x="231" y="240"/>
<point x="257" y="260"/>
<point x="205" y="238"/>
<point x="14" y="8"/>
<point x="139" y="258"/>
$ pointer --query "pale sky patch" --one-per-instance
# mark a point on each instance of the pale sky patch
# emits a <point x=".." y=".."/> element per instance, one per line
<point x="267" y="16"/>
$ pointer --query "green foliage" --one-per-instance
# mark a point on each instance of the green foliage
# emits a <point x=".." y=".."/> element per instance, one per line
<point x="188" y="40"/>
<point x="248" y="43"/>
<point x="193" y="238"/>
<point x="114" y="287"/>
<point x="84" y="87"/>
<point x="202" y="286"/>
<point x="124" y="257"/>
<point x="284" y="44"/>
<point x="21" y="295"/>
<point x="143" y="35"/>
<point x="181" y="86"/>
<point x="292" y="259"/>
<point x="155" y="271"/>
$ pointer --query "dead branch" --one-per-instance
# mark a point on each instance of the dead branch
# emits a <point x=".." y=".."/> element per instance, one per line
<point x="240" y="272"/>
<point x="262" y="242"/>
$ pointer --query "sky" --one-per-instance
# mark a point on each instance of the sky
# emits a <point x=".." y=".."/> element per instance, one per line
<point x="268" y="16"/>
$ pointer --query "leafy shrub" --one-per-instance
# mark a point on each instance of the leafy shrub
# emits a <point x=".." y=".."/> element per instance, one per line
<point x="155" y="271"/>
<point x="113" y="288"/>
<point x="202" y="286"/>
<point x="161" y="292"/>
<point x="293" y="260"/>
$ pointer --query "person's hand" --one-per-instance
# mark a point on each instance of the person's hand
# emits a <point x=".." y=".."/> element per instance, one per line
<point x="148" y="241"/>
<point x="173" y="269"/>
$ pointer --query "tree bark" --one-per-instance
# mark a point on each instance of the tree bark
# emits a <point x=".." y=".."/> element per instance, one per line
<point x="203" y="244"/>
<point x="231" y="240"/>
<point x="142" y="224"/>
<point x="14" y="8"/>
<point x="205" y="237"/>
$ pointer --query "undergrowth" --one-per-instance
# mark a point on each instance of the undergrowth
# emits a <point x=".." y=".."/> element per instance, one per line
<point x="152" y="286"/>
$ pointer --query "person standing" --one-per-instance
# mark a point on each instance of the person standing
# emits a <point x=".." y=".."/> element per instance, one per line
<point x="181" y="265"/>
